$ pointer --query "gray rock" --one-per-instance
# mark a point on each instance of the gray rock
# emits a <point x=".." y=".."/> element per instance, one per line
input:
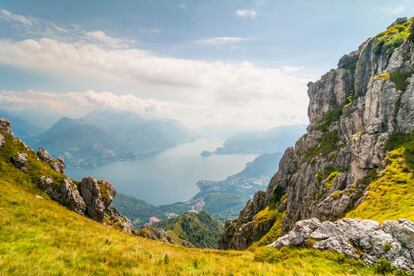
<point x="98" y="196"/>
<point x="150" y="232"/>
<point x="70" y="197"/>
<point x="19" y="161"/>
<point x="5" y="125"/>
<point x="357" y="238"/>
<point x="91" y="193"/>
<point x="58" y="165"/>
<point x="2" y="140"/>
<point x="43" y="155"/>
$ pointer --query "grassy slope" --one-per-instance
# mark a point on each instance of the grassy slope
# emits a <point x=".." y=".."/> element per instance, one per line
<point x="41" y="237"/>
<point x="391" y="194"/>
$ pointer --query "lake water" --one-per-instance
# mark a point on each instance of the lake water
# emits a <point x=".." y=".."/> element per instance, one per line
<point x="170" y="176"/>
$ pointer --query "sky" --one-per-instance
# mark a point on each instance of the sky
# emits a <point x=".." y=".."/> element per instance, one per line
<point x="242" y="63"/>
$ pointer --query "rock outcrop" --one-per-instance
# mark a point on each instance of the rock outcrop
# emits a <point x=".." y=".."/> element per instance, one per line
<point x="57" y="164"/>
<point x="364" y="239"/>
<point x="150" y="232"/>
<point x="92" y="198"/>
<point x="5" y="125"/>
<point x="19" y="161"/>
<point x="353" y="111"/>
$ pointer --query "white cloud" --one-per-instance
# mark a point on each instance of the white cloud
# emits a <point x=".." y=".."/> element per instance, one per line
<point x="398" y="10"/>
<point x="108" y="40"/>
<point x="151" y="31"/>
<point x="80" y="103"/>
<point x="246" y="13"/>
<point x="222" y="40"/>
<point x="11" y="17"/>
<point x="238" y="93"/>
<point x="292" y="69"/>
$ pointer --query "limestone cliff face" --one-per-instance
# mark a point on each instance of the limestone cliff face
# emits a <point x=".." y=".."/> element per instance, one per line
<point x="353" y="110"/>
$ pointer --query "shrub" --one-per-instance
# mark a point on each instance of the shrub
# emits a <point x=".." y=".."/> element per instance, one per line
<point x="400" y="79"/>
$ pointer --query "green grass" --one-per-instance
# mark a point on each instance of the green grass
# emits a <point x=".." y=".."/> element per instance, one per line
<point x="328" y="118"/>
<point x="396" y="34"/>
<point x="400" y="79"/>
<point x="314" y="262"/>
<point x="327" y="144"/>
<point x="391" y="193"/>
<point x="267" y="215"/>
<point x="40" y="237"/>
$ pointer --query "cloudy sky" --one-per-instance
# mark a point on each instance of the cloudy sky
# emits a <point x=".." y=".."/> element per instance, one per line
<point x="233" y="63"/>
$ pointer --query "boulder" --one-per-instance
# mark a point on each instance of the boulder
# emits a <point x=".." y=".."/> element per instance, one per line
<point x="98" y="195"/>
<point x="2" y="140"/>
<point x="5" y="125"/>
<point x="58" y="165"/>
<point x="19" y="161"/>
<point x="70" y="197"/>
<point x="357" y="238"/>
<point x="43" y="155"/>
<point x="151" y="232"/>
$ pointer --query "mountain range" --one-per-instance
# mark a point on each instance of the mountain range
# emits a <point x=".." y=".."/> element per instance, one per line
<point x="106" y="136"/>
<point x="273" y="140"/>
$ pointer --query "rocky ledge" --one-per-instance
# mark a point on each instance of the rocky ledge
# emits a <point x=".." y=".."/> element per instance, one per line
<point x="91" y="198"/>
<point x="364" y="239"/>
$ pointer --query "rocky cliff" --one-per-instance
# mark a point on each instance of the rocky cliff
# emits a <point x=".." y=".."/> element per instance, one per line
<point x="359" y="144"/>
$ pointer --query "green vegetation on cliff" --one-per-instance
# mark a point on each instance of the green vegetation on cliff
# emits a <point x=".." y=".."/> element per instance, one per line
<point x="391" y="193"/>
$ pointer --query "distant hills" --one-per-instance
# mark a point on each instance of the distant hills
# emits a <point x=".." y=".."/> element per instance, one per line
<point x="193" y="229"/>
<point x="106" y="136"/>
<point x="276" y="139"/>
<point x="21" y="128"/>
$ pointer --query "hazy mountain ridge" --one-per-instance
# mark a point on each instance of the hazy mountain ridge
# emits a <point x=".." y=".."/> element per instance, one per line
<point x="276" y="139"/>
<point x="103" y="137"/>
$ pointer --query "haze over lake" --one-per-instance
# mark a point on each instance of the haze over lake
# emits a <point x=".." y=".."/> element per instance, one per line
<point x="170" y="176"/>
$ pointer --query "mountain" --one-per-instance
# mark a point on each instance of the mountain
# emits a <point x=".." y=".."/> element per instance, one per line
<point x="223" y="199"/>
<point x="21" y="127"/>
<point x="276" y="139"/>
<point x="138" y="211"/>
<point x="102" y="137"/>
<point x="143" y="135"/>
<point x="82" y="144"/>
<point x="355" y="164"/>
<point x="193" y="229"/>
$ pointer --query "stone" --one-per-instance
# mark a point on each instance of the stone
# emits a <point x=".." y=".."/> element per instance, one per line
<point x="356" y="238"/>
<point x="98" y="195"/>
<point x="70" y="197"/>
<point x="58" y="165"/>
<point x="43" y="155"/>
<point x="2" y="140"/>
<point x="150" y="232"/>
<point x="19" y="161"/>
<point x="5" y="125"/>
<point x="91" y="193"/>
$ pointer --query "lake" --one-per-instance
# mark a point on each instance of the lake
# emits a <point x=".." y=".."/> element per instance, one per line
<point x="170" y="176"/>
